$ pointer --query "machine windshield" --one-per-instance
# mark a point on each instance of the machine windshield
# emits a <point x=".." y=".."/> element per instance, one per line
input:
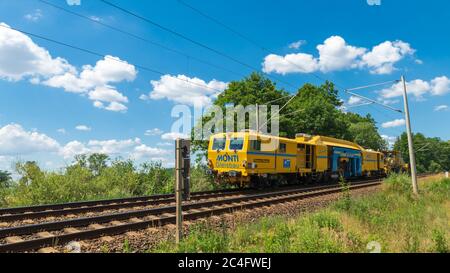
<point x="236" y="143"/>
<point x="219" y="144"/>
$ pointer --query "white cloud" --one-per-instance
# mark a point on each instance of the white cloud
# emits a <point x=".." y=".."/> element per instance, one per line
<point x="291" y="63"/>
<point x="393" y="123"/>
<point x="61" y="131"/>
<point x="418" y="88"/>
<point x="112" y="147"/>
<point x="354" y="100"/>
<point x="95" y="81"/>
<point x="154" y="132"/>
<point x="144" y="151"/>
<point x="335" y="54"/>
<point x="441" y="108"/>
<point x="35" y="16"/>
<point x="21" y="58"/>
<point x="390" y="139"/>
<point x="83" y="128"/>
<point x="185" y="90"/>
<point x="440" y="86"/>
<point x="15" y="140"/>
<point x="173" y="136"/>
<point x="382" y="58"/>
<point x="297" y="44"/>
<point x="73" y="148"/>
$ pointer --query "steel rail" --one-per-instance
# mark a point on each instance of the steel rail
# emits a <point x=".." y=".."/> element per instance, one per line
<point x="93" y="203"/>
<point x="117" y="229"/>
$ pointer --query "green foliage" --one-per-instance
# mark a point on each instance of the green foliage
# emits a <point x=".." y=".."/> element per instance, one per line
<point x="93" y="177"/>
<point x="319" y="112"/>
<point x="399" y="183"/>
<point x="432" y="154"/>
<point x="440" y="243"/>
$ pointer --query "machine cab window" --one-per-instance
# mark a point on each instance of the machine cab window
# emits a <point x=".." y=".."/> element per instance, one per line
<point x="255" y="145"/>
<point x="282" y="148"/>
<point x="219" y="143"/>
<point x="236" y="144"/>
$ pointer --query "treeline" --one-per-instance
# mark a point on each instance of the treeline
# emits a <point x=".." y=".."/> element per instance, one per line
<point x="315" y="110"/>
<point x="432" y="154"/>
<point x="91" y="177"/>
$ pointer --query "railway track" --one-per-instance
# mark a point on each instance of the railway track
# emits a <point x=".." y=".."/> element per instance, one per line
<point x="36" y="236"/>
<point x="32" y="212"/>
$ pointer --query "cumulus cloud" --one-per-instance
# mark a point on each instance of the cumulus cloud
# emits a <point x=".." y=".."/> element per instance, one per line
<point x="173" y="136"/>
<point x="441" y="108"/>
<point x="354" y="100"/>
<point x="291" y="63"/>
<point x="73" y="148"/>
<point x="440" y="86"/>
<point x="21" y="58"/>
<point x="381" y="58"/>
<point x="95" y="81"/>
<point x="185" y="90"/>
<point x="144" y="151"/>
<point x="83" y="128"/>
<point x="393" y="123"/>
<point x="335" y="55"/>
<point x="14" y="140"/>
<point x="418" y="88"/>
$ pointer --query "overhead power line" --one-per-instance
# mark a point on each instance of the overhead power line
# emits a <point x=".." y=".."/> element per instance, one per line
<point x="372" y="85"/>
<point x="245" y="37"/>
<point x="139" y="37"/>
<point x="91" y="52"/>
<point x="178" y="34"/>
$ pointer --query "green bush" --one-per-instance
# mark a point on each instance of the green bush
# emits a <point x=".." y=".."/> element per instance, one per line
<point x="93" y="177"/>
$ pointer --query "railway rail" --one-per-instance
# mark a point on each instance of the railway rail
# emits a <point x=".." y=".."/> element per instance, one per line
<point x="35" y="236"/>
<point x="32" y="237"/>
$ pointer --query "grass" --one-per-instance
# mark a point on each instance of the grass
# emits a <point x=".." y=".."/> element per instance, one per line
<point x="393" y="218"/>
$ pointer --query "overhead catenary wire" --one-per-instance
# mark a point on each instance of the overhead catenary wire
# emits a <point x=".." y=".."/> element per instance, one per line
<point x="91" y="52"/>
<point x="122" y="31"/>
<point x="178" y="34"/>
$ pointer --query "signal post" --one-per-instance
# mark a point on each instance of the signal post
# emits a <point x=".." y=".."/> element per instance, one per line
<point x="182" y="182"/>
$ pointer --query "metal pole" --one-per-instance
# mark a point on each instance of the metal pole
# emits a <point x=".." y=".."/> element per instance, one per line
<point x="178" y="190"/>
<point x="412" y="157"/>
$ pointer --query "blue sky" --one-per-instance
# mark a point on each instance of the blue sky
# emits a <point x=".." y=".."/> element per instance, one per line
<point x="47" y="90"/>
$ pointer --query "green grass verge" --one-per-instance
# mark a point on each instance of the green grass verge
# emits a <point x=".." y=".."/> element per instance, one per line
<point x="392" y="218"/>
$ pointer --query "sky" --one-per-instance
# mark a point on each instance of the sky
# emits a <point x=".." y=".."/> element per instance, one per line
<point x="57" y="101"/>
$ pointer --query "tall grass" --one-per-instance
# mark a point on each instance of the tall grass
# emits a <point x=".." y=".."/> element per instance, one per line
<point x="393" y="218"/>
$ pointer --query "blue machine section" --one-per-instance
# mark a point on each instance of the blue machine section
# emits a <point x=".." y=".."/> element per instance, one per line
<point x="347" y="159"/>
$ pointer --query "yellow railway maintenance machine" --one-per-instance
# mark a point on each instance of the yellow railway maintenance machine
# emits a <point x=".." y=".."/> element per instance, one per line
<point x="250" y="158"/>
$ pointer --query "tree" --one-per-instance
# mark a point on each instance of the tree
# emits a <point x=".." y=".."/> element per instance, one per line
<point x="5" y="179"/>
<point x="432" y="154"/>
<point x="315" y="110"/>
<point x="254" y="89"/>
